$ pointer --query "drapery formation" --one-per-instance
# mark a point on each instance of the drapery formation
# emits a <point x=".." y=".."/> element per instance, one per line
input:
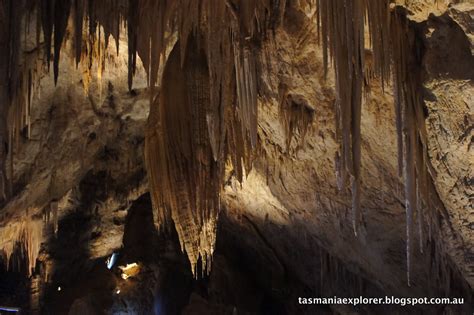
<point x="185" y="180"/>
<point x="205" y="116"/>
<point x="212" y="118"/>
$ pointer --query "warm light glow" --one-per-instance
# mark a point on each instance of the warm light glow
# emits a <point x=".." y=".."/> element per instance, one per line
<point x="130" y="270"/>
<point x="59" y="288"/>
<point x="124" y="276"/>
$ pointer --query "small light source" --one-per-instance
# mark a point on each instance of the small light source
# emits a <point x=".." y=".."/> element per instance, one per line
<point x="111" y="261"/>
<point x="59" y="288"/>
<point x="10" y="309"/>
<point x="118" y="291"/>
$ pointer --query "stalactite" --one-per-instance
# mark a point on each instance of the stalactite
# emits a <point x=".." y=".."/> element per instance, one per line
<point x="54" y="209"/>
<point x="419" y="216"/>
<point x="334" y="276"/>
<point x="297" y="116"/>
<point x="246" y="90"/>
<point x="61" y="16"/>
<point x="409" y="134"/>
<point x="4" y="95"/>
<point x="369" y="71"/>
<point x="340" y="172"/>
<point x="78" y="28"/>
<point x="28" y="233"/>
<point x="398" y="100"/>
<point x="47" y="20"/>
<point x="378" y="17"/>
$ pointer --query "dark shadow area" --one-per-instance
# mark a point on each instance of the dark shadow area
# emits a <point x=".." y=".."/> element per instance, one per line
<point x="248" y="276"/>
<point x="14" y="282"/>
<point x="74" y="277"/>
<point x="164" y="282"/>
<point x="140" y="238"/>
<point x="448" y="52"/>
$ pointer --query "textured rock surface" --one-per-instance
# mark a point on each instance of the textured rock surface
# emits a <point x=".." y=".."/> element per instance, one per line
<point x="286" y="231"/>
<point x="449" y="64"/>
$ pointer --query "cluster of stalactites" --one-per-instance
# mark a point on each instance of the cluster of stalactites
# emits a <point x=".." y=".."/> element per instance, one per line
<point x="206" y="113"/>
<point x="185" y="176"/>
<point x="20" y="74"/>
<point x="296" y="116"/>
<point x="334" y="277"/>
<point x="28" y="235"/>
<point x="228" y="29"/>
<point x="411" y="132"/>
<point x="342" y="30"/>
<point x="54" y="16"/>
<point x="31" y="39"/>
